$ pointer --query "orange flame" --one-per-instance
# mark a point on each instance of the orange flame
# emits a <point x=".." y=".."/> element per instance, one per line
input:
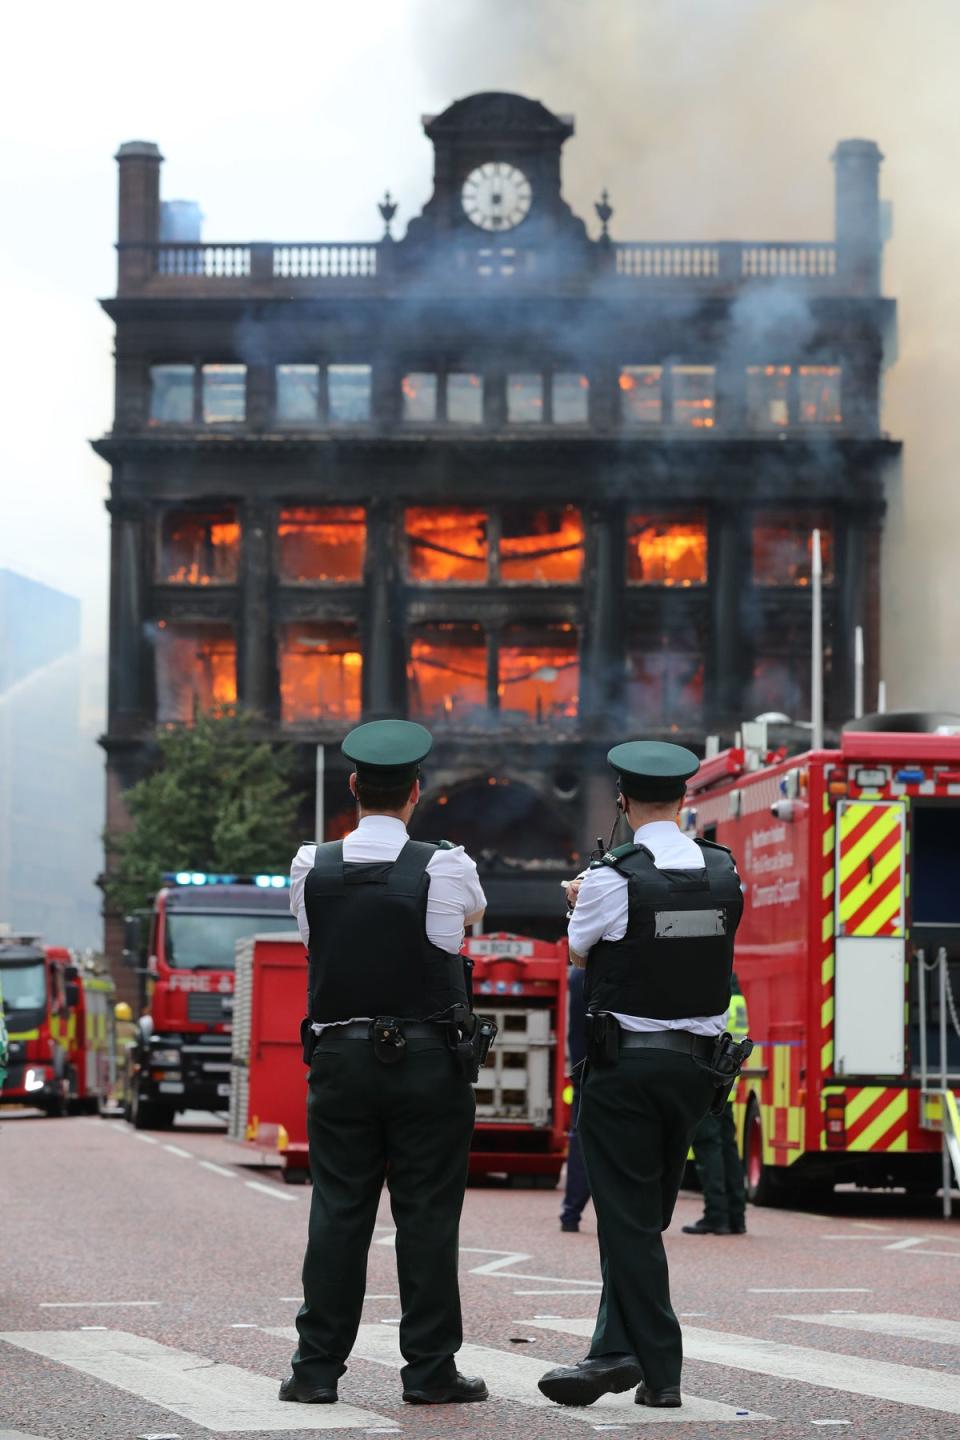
<point x="200" y="549"/>
<point x="552" y="550"/>
<point x="446" y="545"/>
<point x="320" y="673"/>
<point x="671" y="554"/>
<point x="319" y="543"/>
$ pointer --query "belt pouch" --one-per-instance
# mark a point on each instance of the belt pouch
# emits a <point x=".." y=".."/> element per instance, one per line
<point x="603" y="1039"/>
<point x="389" y="1041"/>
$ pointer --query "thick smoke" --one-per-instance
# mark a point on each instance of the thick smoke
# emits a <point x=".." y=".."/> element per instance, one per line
<point x="717" y="122"/>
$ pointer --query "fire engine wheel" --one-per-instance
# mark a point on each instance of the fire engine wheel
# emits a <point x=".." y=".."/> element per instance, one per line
<point x="147" y="1114"/>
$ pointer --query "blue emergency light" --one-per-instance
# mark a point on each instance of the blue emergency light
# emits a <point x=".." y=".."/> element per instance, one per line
<point x="204" y="877"/>
<point x="911" y="777"/>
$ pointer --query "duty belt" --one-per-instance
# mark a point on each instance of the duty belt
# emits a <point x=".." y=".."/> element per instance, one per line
<point x="360" y="1030"/>
<point x="701" y="1046"/>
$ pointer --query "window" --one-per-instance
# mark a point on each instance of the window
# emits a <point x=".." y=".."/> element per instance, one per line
<point x="783" y="546"/>
<point x="419" y="396"/>
<point x="768" y="400"/>
<point x="321" y="543"/>
<point x="447" y="673"/>
<point x="539" y="673"/>
<point x="570" y="396"/>
<point x="464" y="398"/>
<point x="819" y="395"/>
<point x="693" y="398"/>
<point x="348" y="394"/>
<point x="298" y="394"/>
<point x="664" y="680"/>
<point x="666" y="552"/>
<point x="196" y="669"/>
<point x="446" y="546"/>
<point x="780" y="685"/>
<point x="541" y="544"/>
<point x="320" y="672"/>
<point x="171" y="395"/>
<point x="199" y="547"/>
<point x="641" y="394"/>
<point x="224" y="394"/>
<point x="524" y="399"/>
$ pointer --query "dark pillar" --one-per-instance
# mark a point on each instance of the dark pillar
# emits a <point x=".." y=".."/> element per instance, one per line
<point x="138" y="215"/>
<point x="727" y="668"/>
<point x="256" y="663"/>
<point x="383" y="640"/>
<point x="857" y="221"/>
<point x="602" y="665"/>
<point x="129" y="656"/>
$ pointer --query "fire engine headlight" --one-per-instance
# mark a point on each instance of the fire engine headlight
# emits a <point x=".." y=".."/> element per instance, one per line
<point x="33" y="1080"/>
<point x="165" y="1057"/>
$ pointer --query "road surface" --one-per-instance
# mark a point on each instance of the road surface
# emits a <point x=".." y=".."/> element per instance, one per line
<point x="149" y="1283"/>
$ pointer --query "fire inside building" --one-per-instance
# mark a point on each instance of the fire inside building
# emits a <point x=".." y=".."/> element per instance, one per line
<point x="539" y="488"/>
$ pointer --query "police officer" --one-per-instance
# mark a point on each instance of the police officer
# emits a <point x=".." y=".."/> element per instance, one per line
<point x="577" y="1188"/>
<point x="383" y="919"/>
<point x="717" y="1157"/>
<point x="654" y="923"/>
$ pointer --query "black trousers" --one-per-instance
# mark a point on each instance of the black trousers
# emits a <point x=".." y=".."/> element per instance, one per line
<point x="636" y="1123"/>
<point x="720" y="1169"/>
<point x="577" y="1188"/>
<point x="409" y="1124"/>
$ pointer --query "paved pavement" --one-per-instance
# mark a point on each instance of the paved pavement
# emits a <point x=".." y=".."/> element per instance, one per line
<point x="149" y="1283"/>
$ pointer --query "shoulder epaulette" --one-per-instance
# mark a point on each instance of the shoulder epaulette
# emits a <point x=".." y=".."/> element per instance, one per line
<point x="614" y="856"/>
<point x="446" y="845"/>
<point x="712" y="845"/>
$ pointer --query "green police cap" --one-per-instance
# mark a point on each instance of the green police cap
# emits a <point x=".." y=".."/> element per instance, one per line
<point x="653" y="770"/>
<point x="388" y="750"/>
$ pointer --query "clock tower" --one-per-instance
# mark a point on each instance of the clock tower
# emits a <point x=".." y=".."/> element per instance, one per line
<point x="497" y="177"/>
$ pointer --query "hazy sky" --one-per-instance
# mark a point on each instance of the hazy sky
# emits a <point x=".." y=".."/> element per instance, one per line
<point x="706" y="118"/>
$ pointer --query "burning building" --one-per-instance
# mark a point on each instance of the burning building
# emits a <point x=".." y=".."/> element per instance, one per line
<point x="537" y="487"/>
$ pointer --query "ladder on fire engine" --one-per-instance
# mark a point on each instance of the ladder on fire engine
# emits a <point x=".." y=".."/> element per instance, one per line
<point x="938" y="1103"/>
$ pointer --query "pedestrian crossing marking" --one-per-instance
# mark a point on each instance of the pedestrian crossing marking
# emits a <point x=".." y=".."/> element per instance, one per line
<point x="904" y="1327"/>
<point x="514" y="1377"/>
<point x="216" y="1396"/>
<point x="851" y="1374"/>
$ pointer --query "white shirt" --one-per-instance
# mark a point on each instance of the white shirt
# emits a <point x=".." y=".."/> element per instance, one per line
<point x="601" y="913"/>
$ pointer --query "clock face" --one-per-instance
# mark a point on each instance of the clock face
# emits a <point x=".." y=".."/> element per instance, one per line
<point x="496" y="196"/>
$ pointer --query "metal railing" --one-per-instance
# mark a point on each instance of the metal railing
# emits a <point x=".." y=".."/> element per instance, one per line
<point x="938" y="1105"/>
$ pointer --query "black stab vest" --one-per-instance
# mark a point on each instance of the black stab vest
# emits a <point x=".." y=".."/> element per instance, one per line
<point x="676" y="958"/>
<point x="369" y="950"/>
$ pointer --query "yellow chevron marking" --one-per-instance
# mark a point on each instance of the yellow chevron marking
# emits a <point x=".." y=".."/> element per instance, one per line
<point x="882" y="914"/>
<point x="877" y="1128"/>
<point x="829" y="836"/>
<point x="861" y="1102"/>
<point x="827" y="888"/>
<point x="888" y="819"/>
<point x="826" y="1056"/>
<point x="826" y="1012"/>
<point x="852" y="900"/>
<point x="826" y="969"/>
<point x="826" y="929"/>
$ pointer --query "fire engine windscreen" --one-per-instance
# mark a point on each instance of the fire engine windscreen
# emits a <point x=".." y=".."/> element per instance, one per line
<point x="24" y="985"/>
<point x="206" y="941"/>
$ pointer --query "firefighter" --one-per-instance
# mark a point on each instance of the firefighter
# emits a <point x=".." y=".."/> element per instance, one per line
<point x="383" y="919"/>
<point x="654" y="922"/>
<point x="716" y="1155"/>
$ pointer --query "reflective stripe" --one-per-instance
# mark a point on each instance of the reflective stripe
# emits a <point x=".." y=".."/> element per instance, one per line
<point x="870" y="855"/>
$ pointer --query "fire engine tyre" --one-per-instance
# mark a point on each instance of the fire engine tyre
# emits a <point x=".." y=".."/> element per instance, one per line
<point x="147" y="1114"/>
<point x="56" y="1106"/>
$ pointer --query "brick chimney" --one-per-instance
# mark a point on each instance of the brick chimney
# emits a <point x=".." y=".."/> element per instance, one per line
<point x="138" y="216"/>
<point x="857" y="222"/>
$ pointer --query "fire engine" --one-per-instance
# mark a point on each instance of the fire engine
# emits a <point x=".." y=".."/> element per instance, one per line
<point x="180" y="1056"/>
<point x="848" y="953"/>
<point x="521" y="1114"/>
<point x="59" y="1013"/>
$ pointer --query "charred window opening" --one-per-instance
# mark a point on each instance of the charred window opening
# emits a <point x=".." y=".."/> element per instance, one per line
<point x="319" y="543"/>
<point x="783" y="548"/>
<point x="447" y="546"/>
<point x="666" y="552"/>
<point x="196" y="669"/>
<point x="224" y="394"/>
<point x="349" y="391"/>
<point x="818" y="396"/>
<point x="199" y="547"/>
<point x="570" y="394"/>
<point x="641" y="394"/>
<point x="664" y="680"/>
<point x="171" y="395"/>
<point x="419" y="391"/>
<point x="539" y="673"/>
<point x="321" y="669"/>
<point x="768" y="396"/>
<point x="464" y="398"/>
<point x="693" y="396"/>
<point x="447" y="673"/>
<point x="524" y="398"/>
<point x="495" y="813"/>
<point x="541" y="544"/>
<point x="298" y="394"/>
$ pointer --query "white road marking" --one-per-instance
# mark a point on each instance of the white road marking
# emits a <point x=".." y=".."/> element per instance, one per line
<point x="555" y="1291"/>
<point x="147" y="1139"/>
<point x="218" y="1397"/>
<point x="848" y="1236"/>
<point x="90" y="1304"/>
<point x="950" y="1254"/>
<point x="217" y="1169"/>
<point x="175" y="1150"/>
<point x="904" y="1327"/>
<point x="272" y="1190"/>
<point x="831" y="1422"/>
<point x="813" y="1290"/>
<point x="514" y="1377"/>
<point x="380" y="1297"/>
<point x="853" y="1375"/>
<point x="870" y="1225"/>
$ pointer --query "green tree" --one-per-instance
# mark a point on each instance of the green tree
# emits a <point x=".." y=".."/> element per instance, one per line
<point x="220" y="800"/>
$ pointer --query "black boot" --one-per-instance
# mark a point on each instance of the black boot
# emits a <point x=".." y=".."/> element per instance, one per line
<point x="294" y="1389"/>
<point x="706" y="1227"/>
<point x="461" y="1390"/>
<point x="585" y="1382"/>
<point x="666" y="1399"/>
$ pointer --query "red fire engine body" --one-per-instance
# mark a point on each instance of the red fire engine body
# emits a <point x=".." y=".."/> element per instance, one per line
<point x="849" y="859"/>
<point x="521" y="1116"/>
<point x="60" y="1028"/>
<point x="180" y="1057"/>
